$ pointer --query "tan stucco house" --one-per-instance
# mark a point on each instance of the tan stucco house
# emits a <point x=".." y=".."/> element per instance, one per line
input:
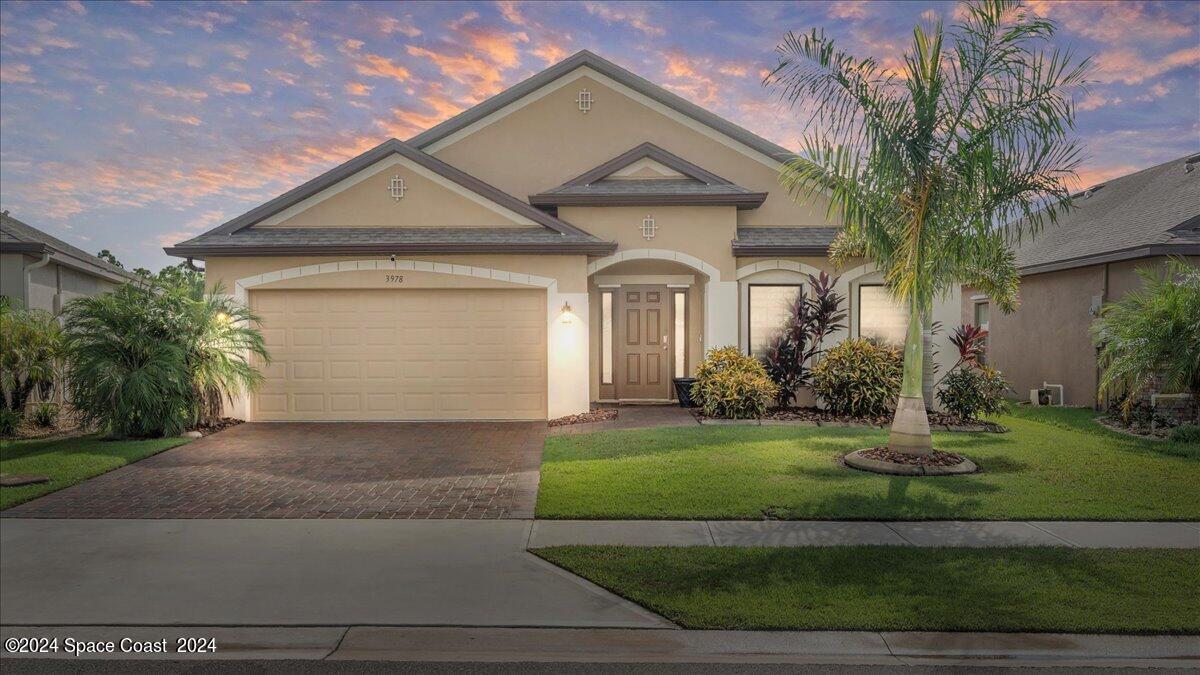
<point x="39" y="271"/>
<point x="1072" y="268"/>
<point x="581" y="237"/>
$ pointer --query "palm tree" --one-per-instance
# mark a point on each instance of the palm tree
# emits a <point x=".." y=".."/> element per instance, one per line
<point x="1153" y="334"/>
<point x="937" y="168"/>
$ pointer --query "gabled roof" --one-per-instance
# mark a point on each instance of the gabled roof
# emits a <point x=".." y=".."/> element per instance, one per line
<point x="696" y="187"/>
<point x="238" y="237"/>
<point x="19" y="237"/>
<point x="1155" y="211"/>
<point x="609" y="69"/>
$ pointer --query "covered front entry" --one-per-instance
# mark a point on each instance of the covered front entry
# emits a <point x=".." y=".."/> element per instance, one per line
<point x="402" y="354"/>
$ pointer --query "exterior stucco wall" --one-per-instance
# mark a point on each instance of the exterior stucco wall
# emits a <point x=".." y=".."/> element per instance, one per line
<point x="75" y="284"/>
<point x="12" y="276"/>
<point x="1048" y="338"/>
<point x="551" y="125"/>
<point x="704" y="232"/>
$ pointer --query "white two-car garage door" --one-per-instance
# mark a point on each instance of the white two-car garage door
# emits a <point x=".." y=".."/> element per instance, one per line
<point x="411" y="354"/>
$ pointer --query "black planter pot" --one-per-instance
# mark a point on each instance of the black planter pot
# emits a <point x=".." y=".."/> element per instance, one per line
<point x="683" y="391"/>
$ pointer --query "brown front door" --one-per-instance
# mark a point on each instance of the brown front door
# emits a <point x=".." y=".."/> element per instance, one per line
<point x="643" y="347"/>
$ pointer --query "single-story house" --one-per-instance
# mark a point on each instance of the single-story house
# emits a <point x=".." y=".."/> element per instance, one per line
<point x="583" y="236"/>
<point x="1072" y="268"/>
<point x="39" y="271"/>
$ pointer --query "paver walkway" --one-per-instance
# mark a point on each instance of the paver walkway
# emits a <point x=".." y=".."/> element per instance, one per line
<point x="334" y="470"/>
<point x="852" y="533"/>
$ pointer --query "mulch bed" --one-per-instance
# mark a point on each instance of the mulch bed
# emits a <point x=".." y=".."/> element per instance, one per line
<point x="935" y="458"/>
<point x="222" y="425"/>
<point x="938" y="421"/>
<point x="601" y="415"/>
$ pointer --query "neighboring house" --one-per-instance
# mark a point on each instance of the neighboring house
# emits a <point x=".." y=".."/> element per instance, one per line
<point x="583" y="236"/>
<point x="39" y="271"/>
<point x="1090" y="257"/>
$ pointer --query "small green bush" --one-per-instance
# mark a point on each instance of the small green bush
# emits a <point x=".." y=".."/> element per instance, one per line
<point x="970" y="392"/>
<point x="732" y="385"/>
<point x="9" y="421"/>
<point x="859" y="378"/>
<point x="1185" y="433"/>
<point x="45" y="414"/>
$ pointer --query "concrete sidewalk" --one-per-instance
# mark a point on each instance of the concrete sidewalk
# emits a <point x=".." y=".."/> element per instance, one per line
<point x="508" y="645"/>
<point x="850" y="533"/>
<point x="293" y="572"/>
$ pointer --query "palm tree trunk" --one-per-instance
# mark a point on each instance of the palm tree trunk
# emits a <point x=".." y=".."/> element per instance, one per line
<point x="910" y="427"/>
<point x="927" y="363"/>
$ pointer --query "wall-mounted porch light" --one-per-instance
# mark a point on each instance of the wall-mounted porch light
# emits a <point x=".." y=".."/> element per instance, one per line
<point x="567" y="315"/>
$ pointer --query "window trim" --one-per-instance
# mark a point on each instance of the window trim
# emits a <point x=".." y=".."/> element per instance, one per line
<point x="750" y="308"/>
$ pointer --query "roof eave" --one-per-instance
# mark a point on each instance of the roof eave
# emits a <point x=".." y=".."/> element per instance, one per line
<point x="749" y="200"/>
<point x="756" y="250"/>
<point x="565" y="248"/>
<point x="1112" y="256"/>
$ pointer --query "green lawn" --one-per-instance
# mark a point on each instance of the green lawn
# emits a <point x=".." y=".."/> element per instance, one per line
<point x="69" y="461"/>
<point x="1055" y="464"/>
<point x="902" y="588"/>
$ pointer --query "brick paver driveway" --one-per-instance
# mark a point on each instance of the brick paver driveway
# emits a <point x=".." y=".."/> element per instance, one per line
<point x="344" y="470"/>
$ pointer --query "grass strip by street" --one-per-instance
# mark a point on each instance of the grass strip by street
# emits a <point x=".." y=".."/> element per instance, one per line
<point x="1132" y="591"/>
<point x="67" y="461"/>
<point x="1054" y="464"/>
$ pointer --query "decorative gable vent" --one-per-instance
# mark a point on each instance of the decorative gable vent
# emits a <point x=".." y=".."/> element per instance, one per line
<point x="649" y="228"/>
<point x="396" y="187"/>
<point x="584" y="101"/>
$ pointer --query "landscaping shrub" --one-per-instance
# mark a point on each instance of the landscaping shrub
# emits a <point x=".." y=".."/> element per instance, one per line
<point x="9" y="421"/>
<point x="971" y="392"/>
<point x="152" y="361"/>
<point x="30" y="354"/>
<point x="45" y="414"/>
<point x="809" y="320"/>
<point x="1151" y="337"/>
<point x="859" y="378"/>
<point x="732" y="385"/>
<point x="1185" y="433"/>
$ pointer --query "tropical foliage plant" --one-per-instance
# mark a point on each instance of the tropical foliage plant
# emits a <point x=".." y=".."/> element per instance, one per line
<point x="935" y="167"/>
<point x="732" y="385"/>
<point x="45" y="413"/>
<point x="859" y="378"/>
<point x="809" y="320"/>
<point x="1152" y="334"/>
<point x="970" y="392"/>
<point x="9" y="421"/>
<point x="31" y="350"/>
<point x="152" y="360"/>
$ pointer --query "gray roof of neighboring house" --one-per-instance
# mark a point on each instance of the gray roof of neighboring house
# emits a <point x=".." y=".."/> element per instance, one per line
<point x="19" y="237"/>
<point x="351" y="240"/>
<point x="608" y="68"/>
<point x="783" y="240"/>
<point x="1155" y="211"/>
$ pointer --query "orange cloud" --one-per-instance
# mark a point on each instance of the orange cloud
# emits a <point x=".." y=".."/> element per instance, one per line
<point x="407" y="121"/>
<point x="358" y="89"/>
<point x="310" y="114"/>
<point x="1128" y="66"/>
<point x="847" y="10"/>
<point x="390" y="24"/>
<point x="373" y="65"/>
<point x="229" y="86"/>
<point x="550" y="52"/>
<point x="283" y="76"/>
<point x="687" y="76"/>
<point x="168" y="91"/>
<point x="1095" y="101"/>
<point x="1111" y="22"/>
<point x="12" y="73"/>
<point x="631" y="15"/>
<point x="151" y="111"/>
<point x="302" y="46"/>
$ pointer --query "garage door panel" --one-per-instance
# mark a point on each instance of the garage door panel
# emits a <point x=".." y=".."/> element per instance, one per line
<point x="403" y="354"/>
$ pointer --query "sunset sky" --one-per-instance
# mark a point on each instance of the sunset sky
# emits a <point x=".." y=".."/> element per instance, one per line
<point x="130" y="125"/>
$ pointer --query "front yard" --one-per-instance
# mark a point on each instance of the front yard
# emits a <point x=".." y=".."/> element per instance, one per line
<point x="69" y="461"/>
<point x="902" y="588"/>
<point x="1055" y="464"/>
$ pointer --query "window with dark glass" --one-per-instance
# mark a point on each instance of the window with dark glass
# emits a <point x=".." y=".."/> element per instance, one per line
<point x="768" y="310"/>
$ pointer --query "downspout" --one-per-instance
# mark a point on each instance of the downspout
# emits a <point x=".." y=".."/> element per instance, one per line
<point x="29" y="276"/>
<point x="1096" y="404"/>
<point x="192" y="266"/>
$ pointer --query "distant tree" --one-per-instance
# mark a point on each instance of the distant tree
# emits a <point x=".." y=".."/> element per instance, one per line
<point x="108" y="257"/>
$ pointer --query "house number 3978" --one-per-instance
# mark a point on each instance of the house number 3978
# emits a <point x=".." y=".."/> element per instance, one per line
<point x="394" y="278"/>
